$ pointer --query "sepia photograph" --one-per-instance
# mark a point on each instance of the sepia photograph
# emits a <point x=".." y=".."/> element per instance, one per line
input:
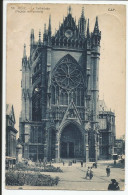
<point x="65" y="98"/>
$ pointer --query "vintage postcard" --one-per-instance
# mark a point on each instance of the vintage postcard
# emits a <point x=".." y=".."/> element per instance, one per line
<point x="65" y="96"/>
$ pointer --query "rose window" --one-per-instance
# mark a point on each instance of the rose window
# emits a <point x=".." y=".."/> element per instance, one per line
<point x="67" y="75"/>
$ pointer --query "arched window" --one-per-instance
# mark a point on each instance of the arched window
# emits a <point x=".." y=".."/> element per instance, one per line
<point x="61" y="42"/>
<point x="53" y="95"/>
<point x="36" y="103"/>
<point x="72" y="43"/>
<point x="70" y="97"/>
<point x="76" y="43"/>
<point x="78" y="97"/>
<point x="57" y="94"/>
<point x="65" y="98"/>
<point x="61" y="98"/>
<point x="67" y="78"/>
<point x="53" y="41"/>
<point x="82" y="97"/>
<point x="69" y="43"/>
<point x="65" y="42"/>
<point x="80" y="43"/>
<point x="74" y="97"/>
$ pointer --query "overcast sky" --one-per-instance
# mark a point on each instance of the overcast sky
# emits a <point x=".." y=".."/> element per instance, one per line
<point x="112" y="60"/>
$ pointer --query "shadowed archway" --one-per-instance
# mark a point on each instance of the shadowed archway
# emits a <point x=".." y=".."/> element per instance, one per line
<point x="71" y="142"/>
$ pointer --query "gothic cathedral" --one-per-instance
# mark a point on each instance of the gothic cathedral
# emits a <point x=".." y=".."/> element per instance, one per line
<point x="60" y="92"/>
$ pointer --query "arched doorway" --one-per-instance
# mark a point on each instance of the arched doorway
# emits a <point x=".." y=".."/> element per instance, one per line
<point x="71" y="142"/>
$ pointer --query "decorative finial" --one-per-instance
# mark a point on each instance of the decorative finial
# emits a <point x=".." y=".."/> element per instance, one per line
<point x="39" y="36"/>
<point x="49" y="27"/>
<point x="96" y="24"/>
<point x="24" y="53"/>
<point x="88" y="29"/>
<point x="82" y="13"/>
<point x="44" y="28"/>
<point x="32" y="31"/>
<point x="75" y="19"/>
<point x="55" y="31"/>
<point x="69" y="9"/>
<point x="32" y="37"/>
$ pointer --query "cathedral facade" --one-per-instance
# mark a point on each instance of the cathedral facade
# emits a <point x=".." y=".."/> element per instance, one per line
<point x="60" y="92"/>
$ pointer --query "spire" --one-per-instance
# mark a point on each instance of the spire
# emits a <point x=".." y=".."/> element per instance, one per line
<point x="69" y="9"/>
<point x="55" y="31"/>
<point x="82" y="24"/>
<point x="49" y="27"/>
<point x="75" y="19"/>
<point x="24" y="52"/>
<point x="32" y="37"/>
<point x="88" y="33"/>
<point x="63" y="19"/>
<point x="59" y="28"/>
<point x="44" y="28"/>
<point x="96" y="28"/>
<point x="82" y="13"/>
<point x="39" y="36"/>
<point x="96" y="35"/>
<point x="45" y="34"/>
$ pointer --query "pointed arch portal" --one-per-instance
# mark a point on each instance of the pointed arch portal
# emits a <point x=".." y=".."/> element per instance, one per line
<point x="71" y="142"/>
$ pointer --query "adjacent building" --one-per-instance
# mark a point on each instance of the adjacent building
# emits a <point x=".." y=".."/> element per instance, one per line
<point x="11" y="133"/>
<point x="107" y="131"/>
<point x="119" y="147"/>
<point x="60" y="94"/>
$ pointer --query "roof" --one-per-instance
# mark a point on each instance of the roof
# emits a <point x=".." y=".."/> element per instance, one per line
<point x="102" y="106"/>
<point x="10" y="112"/>
<point x="10" y="128"/>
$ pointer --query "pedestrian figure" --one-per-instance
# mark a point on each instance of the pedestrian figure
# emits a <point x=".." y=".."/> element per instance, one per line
<point x="113" y="185"/>
<point x="63" y="163"/>
<point x="91" y="173"/>
<point x="108" y="171"/>
<point x="94" y="165"/>
<point x="88" y="173"/>
<point x="81" y="163"/>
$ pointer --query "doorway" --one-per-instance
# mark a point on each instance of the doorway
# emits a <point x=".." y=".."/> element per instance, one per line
<point x="67" y="149"/>
<point x="71" y="142"/>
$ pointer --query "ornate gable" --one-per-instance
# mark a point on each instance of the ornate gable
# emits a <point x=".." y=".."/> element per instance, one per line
<point x="72" y="114"/>
<point x="70" y="34"/>
<point x="68" y="28"/>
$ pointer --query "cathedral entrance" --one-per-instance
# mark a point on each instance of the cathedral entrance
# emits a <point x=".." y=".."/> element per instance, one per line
<point x="67" y="149"/>
<point x="71" y="142"/>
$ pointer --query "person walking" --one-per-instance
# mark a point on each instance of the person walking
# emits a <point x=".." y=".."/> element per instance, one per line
<point x="88" y="173"/>
<point x="113" y="185"/>
<point x="81" y="163"/>
<point x="91" y="173"/>
<point x="108" y="171"/>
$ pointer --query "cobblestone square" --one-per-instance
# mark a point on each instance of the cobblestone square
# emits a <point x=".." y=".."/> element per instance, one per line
<point x="73" y="177"/>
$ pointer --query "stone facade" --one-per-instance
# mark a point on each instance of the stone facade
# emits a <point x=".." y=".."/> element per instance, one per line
<point x="60" y="92"/>
<point x="10" y="135"/>
<point x="119" y="147"/>
<point x="107" y="131"/>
